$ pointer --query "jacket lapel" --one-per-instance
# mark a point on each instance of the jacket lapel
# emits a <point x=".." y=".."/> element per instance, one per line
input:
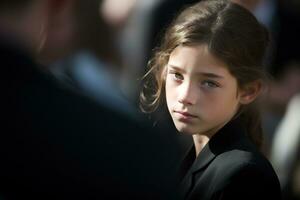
<point x="228" y="138"/>
<point x="200" y="163"/>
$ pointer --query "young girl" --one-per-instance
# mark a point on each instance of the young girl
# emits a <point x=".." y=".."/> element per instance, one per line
<point x="209" y="67"/>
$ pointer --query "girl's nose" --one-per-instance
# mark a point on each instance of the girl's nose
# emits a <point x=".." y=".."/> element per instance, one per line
<point x="187" y="95"/>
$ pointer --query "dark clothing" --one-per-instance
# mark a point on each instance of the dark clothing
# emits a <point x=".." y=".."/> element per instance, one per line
<point x="57" y="144"/>
<point x="228" y="167"/>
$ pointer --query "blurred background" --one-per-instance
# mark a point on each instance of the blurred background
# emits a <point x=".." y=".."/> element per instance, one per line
<point x="104" y="49"/>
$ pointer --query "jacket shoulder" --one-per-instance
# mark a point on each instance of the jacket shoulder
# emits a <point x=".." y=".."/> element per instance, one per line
<point x="238" y="160"/>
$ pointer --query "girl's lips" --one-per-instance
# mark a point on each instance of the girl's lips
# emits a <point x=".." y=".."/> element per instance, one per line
<point x="185" y="117"/>
<point x="186" y="114"/>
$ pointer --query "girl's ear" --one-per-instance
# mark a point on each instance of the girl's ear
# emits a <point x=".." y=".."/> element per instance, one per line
<point x="250" y="92"/>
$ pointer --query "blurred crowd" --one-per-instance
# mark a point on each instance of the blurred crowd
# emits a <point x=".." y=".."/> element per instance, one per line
<point x="100" y="48"/>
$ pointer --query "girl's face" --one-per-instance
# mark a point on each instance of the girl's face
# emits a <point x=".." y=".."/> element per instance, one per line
<point x="202" y="95"/>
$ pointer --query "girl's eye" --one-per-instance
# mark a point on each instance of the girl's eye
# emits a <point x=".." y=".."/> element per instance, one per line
<point x="178" y="76"/>
<point x="209" y="84"/>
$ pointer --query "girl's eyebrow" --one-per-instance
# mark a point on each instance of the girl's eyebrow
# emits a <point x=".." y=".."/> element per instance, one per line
<point x="210" y="75"/>
<point x="176" y="68"/>
<point x="206" y="74"/>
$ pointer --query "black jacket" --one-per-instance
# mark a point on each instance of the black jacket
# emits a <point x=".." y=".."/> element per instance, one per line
<point x="228" y="167"/>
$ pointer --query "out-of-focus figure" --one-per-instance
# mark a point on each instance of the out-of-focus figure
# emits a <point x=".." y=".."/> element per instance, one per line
<point x="285" y="153"/>
<point x="93" y="67"/>
<point x="56" y="143"/>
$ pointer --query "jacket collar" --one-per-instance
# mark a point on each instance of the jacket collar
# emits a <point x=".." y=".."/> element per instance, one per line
<point x="231" y="136"/>
<point x="227" y="138"/>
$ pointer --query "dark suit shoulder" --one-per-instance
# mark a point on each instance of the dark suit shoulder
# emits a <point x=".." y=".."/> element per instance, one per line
<point x="248" y="175"/>
<point x="237" y="160"/>
<point x="237" y="174"/>
<point x="241" y="158"/>
<point x="255" y="179"/>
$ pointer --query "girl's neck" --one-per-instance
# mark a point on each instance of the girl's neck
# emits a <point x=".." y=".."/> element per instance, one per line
<point x="200" y="141"/>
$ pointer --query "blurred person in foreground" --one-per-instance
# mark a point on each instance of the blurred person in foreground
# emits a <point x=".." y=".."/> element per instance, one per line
<point x="93" y="66"/>
<point x="57" y="144"/>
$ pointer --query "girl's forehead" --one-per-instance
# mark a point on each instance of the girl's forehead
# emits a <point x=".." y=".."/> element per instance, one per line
<point x="196" y="58"/>
<point x="195" y="53"/>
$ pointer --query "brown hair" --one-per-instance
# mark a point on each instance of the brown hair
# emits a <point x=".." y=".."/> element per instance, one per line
<point x="231" y="33"/>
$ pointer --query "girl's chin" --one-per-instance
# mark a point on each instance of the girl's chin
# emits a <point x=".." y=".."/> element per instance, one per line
<point x="185" y="130"/>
